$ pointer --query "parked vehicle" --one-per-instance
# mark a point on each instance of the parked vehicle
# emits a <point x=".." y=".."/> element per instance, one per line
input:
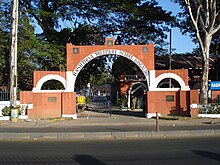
<point x="81" y="103"/>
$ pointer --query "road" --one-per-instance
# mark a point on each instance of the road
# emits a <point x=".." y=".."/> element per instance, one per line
<point x="114" y="152"/>
<point x="122" y="128"/>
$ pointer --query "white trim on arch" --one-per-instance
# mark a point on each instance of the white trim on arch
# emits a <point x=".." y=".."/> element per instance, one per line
<point x="168" y="75"/>
<point x="47" y="78"/>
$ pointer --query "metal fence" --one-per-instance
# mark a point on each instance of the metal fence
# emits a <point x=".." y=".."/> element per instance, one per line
<point x="4" y="96"/>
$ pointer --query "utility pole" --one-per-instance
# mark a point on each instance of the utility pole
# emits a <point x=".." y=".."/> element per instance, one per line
<point x="13" y="53"/>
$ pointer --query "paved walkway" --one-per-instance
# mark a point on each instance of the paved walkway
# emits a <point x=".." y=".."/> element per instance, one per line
<point x="92" y="125"/>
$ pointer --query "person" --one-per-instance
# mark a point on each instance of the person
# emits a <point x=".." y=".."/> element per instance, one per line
<point x="134" y="100"/>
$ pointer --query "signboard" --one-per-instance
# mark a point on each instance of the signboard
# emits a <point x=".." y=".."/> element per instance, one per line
<point x="169" y="98"/>
<point x="215" y="85"/>
<point x="52" y="99"/>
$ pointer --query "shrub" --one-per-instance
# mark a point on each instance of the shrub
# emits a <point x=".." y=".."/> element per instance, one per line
<point x="6" y="111"/>
<point x="209" y="109"/>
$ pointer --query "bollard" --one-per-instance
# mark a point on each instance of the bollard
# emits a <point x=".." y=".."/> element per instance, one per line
<point x="157" y="122"/>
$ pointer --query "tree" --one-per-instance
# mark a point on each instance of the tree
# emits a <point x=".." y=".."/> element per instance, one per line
<point x="4" y="67"/>
<point x="4" y="40"/>
<point x="35" y="54"/>
<point x="135" y="21"/>
<point x="204" y="18"/>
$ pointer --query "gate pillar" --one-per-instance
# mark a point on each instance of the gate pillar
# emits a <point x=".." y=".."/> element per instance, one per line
<point x="69" y="104"/>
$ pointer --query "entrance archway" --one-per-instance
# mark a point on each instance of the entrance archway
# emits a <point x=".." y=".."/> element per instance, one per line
<point x="78" y="56"/>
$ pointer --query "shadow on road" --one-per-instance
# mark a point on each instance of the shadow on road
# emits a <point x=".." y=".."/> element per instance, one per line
<point x="96" y="111"/>
<point x="207" y="154"/>
<point x="87" y="160"/>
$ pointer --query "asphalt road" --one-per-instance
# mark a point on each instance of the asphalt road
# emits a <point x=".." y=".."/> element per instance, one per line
<point x="125" y="152"/>
<point x="123" y="128"/>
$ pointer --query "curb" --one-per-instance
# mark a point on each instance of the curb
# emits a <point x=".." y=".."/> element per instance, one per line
<point x="108" y="135"/>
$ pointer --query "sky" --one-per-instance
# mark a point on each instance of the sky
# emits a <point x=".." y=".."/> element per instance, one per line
<point x="180" y="43"/>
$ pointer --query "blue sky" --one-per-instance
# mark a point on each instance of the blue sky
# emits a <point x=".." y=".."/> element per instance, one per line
<point x="182" y="43"/>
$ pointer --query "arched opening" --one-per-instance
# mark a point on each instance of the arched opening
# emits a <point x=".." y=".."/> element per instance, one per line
<point x="118" y="73"/>
<point x="169" y="79"/>
<point x="52" y="85"/>
<point x="137" y="98"/>
<point x="50" y="77"/>
<point x="168" y="83"/>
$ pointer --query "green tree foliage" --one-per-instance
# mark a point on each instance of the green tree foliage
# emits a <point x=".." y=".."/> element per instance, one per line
<point x="4" y="42"/>
<point x="35" y="54"/>
<point x="129" y="69"/>
<point x="201" y="18"/>
<point x="135" y="21"/>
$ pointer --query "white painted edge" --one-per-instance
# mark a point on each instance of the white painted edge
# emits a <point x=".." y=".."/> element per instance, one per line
<point x="164" y="89"/>
<point x="169" y="89"/>
<point x="50" y="91"/>
<point x="23" y="117"/>
<point x="193" y="106"/>
<point x="150" y="115"/>
<point x="74" y="116"/>
<point x="4" y="117"/>
<point x="209" y="115"/>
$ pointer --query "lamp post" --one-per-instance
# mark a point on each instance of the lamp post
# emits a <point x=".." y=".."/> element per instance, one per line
<point x="13" y="53"/>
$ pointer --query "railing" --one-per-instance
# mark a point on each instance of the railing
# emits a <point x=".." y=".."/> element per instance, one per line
<point x="135" y="77"/>
<point x="4" y="96"/>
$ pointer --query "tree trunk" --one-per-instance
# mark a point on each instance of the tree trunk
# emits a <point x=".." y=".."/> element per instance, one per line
<point x="204" y="87"/>
<point x="205" y="70"/>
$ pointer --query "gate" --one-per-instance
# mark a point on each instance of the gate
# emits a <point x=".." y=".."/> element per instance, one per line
<point x="100" y="96"/>
<point x="4" y="95"/>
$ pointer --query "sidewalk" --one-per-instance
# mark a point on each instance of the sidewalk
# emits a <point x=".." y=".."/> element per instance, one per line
<point x="104" y="126"/>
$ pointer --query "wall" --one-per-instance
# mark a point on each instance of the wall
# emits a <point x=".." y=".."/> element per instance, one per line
<point x="49" y="104"/>
<point x="68" y="103"/>
<point x="26" y="97"/>
<point x="124" y="86"/>
<point x="183" y="73"/>
<point x="39" y="74"/>
<point x="45" y="105"/>
<point x="215" y="96"/>
<point x="136" y="50"/>
<point x="156" y="102"/>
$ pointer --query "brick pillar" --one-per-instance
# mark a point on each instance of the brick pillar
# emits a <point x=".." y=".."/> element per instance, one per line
<point x="194" y="100"/>
<point x="69" y="104"/>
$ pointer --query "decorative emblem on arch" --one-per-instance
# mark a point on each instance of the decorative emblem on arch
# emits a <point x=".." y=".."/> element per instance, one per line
<point x="170" y="75"/>
<point x="104" y="52"/>
<point x="50" y="77"/>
